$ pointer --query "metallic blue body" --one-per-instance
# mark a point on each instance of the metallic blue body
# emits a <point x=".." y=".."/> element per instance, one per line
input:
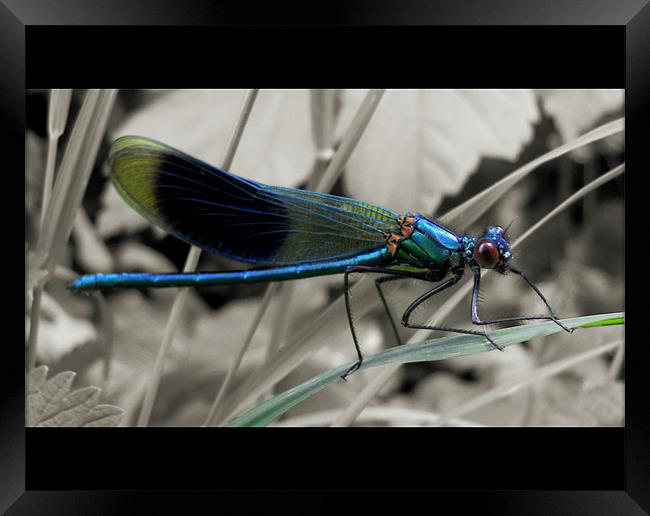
<point x="305" y="270"/>
<point x="430" y="246"/>
<point x="295" y="233"/>
<point x="441" y="235"/>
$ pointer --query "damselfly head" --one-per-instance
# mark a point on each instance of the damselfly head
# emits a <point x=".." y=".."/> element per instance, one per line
<point x="492" y="250"/>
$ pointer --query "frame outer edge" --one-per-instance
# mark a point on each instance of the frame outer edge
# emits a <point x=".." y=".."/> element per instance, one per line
<point x="12" y="109"/>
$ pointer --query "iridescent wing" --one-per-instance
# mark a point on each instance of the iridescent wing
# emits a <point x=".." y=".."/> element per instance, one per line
<point x="235" y="217"/>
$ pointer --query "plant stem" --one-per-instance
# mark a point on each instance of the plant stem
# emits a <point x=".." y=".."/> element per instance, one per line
<point x="350" y="140"/>
<point x="57" y="117"/>
<point x="34" y="318"/>
<point x="234" y="367"/>
<point x="49" y="175"/>
<point x="608" y="176"/>
<point x="281" y="322"/>
<point x="60" y="209"/>
<point x="170" y="330"/>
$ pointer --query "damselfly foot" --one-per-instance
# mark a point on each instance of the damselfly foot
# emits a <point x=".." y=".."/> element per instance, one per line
<point x="559" y="323"/>
<point x="351" y="370"/>
<point x="491" y="341"/>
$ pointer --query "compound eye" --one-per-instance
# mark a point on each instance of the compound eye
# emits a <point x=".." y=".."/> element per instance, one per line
<point x="486" y="254"/>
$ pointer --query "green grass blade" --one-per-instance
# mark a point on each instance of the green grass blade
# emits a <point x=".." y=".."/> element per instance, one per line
<point x="606" y="322"/>
<point x="429" y="350"/>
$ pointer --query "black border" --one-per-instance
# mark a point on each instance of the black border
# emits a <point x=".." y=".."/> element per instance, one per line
<point x="296" y="57"/>
<point x="347" y="458"/>
<point x="502" y="445"/>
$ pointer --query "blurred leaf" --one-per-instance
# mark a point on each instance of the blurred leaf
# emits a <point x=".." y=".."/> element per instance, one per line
<point x="423" y="145"/>
<point x="568" y="288"/>
<point x="136" y="256"/>
<point x="140" y="325"/>
<point x="276" y="148"/>
<point x="577" y="111"/>
<point x="124" y="388"/>
<point x="604" y="403"/>
<point x="91" y="252"/>
<point x="443" y="392"/>
<point x="469" y="211"/>
<point x="217" y="336"/>
<point x="437" y="349"/>
<point x="380" y="415"/>
<point x="59" y="332"/>
<point x="50" y="402"/>
<point x="494" y="368"/>
<point x="504" y="391"/>
<point x="604" y="231"/>
<point x="191" y="414"/>
<point x="563" y="402"/>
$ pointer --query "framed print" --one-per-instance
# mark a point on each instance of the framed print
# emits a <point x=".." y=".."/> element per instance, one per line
<point x="325" y="256"/>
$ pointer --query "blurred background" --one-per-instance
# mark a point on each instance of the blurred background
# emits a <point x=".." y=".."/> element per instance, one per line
<point x="424" y="150"/>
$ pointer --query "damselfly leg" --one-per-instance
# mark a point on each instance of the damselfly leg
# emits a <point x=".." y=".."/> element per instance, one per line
<point x="458" y="274"/>
<point x="477" y="320"/>
<point x="390" y="275"/>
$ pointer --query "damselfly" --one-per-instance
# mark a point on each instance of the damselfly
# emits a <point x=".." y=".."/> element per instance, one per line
<point x="294" y="234"/>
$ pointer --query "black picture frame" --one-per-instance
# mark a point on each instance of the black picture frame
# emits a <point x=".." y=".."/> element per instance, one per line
<point x="49" y="470"/>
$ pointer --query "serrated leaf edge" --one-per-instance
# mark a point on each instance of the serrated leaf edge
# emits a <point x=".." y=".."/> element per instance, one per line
<point x="60" y="407"/>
